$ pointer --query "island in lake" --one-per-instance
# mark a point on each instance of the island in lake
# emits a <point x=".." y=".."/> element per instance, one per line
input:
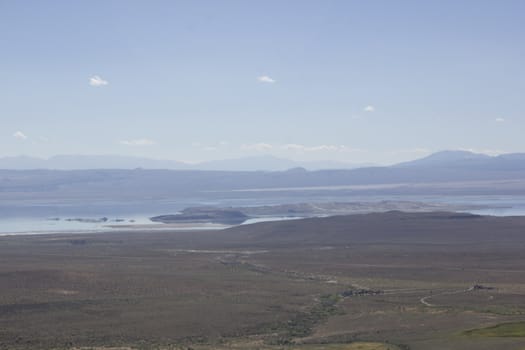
<point x="239" y="215"/>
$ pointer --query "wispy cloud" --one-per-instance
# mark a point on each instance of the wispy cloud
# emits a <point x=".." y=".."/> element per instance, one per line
<point x="20" y="135"/>
<point x="417" y="150"/>
<point x="369" y="109"/>
<point x="318" y="148"/>
<point x="259" y="147"/>
<point x="298" y="148"/>
<point x="500" y="120"/>
<point x="211" y="147"/>
<point x="303" y="148"/>
<point x="265" y="79"/>
<point x="97" y="81"/>
<point x="488" y="152"/>
<point x="138" y="142"/>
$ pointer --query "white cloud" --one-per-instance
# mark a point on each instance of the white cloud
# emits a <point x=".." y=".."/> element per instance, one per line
<point x="417" y="150"/>
<point x="294" y="147"/>
<point x="138" y="142"/>
<point x="97" y="81"/>
<point x="265" y="79"/>
<point x="259" y="147"/>
<point x="319" y="148"/>
<point x="488" y="152"/>
<point x="369" y="109"/>
<point x="500" y="120"/>
<point x="211" y="147"/>
<point x="20" y="135"/>
<point x="303" y="148"/>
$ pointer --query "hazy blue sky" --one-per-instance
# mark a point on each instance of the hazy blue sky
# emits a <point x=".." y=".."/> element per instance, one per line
<point x="360" y="81"/>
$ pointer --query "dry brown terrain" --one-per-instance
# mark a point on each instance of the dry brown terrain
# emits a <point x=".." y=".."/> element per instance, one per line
<point x="375" y="281"/>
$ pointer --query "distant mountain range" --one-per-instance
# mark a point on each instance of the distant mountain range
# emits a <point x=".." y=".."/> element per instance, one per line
<point x="449" y="172"/>
<point x="444" y="159"/>
<point x="84" y="162"/>
<point x="465" y="159"/>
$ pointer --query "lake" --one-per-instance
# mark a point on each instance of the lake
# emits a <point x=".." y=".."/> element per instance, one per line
<point x="27" y="217"/>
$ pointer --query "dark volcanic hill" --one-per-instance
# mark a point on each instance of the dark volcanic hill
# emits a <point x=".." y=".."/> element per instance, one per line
<point x="204" y="215"/>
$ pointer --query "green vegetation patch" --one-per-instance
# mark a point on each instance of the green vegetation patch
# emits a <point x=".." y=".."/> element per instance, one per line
<point x="516" y="329"/>
<point x="302" y="324"/>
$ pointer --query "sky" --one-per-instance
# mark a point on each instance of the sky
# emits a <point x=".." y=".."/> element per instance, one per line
<point x="354" y="81"/>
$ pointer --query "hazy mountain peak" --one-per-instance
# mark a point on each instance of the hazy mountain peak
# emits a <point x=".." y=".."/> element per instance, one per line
<point x="82" y="162"/>
<point x="446" y="157"/>
<point x="298" y="169"/>
<point x="254" y="163"/>
<point x="457" y="155"/>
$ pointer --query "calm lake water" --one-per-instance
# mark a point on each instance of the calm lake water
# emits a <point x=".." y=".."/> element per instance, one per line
<point x="30" y="218"/>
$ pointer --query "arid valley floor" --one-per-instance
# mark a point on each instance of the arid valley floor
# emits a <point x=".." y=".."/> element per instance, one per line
<point x="372" y="282"/>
